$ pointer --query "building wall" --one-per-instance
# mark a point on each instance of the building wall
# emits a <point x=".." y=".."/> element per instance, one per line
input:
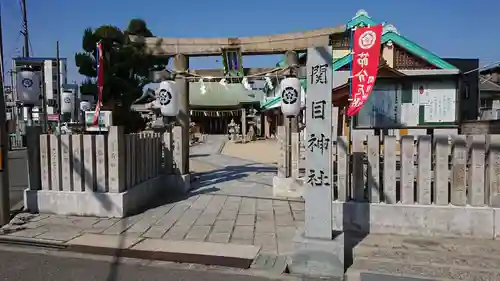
<point x="480" y="127"/>
<point x="468" y="97"/>
<point x="49" y="68"/>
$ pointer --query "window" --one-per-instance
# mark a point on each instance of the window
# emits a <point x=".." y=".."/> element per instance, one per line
<point x="486" y="103"/>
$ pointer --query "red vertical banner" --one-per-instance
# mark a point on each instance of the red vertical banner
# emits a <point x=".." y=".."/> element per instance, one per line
<point x="365" y="62"/>
<point x="100" y="82"/>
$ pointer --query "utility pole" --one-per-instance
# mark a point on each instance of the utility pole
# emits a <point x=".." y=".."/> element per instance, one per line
<point x="24" y="32"/>
<point x="26" y="52"/>
<point x="4" y="150"/>
<point x="58" y="72"/>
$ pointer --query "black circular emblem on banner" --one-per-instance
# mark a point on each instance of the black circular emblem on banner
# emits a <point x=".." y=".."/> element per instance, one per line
<point x="27" y="82"/>
<point x="165" y="97"/>
<point x="289" y="95"/>
<point x="67" y="100"/>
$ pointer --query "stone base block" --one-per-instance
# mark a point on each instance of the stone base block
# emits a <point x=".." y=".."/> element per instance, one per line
<point x="317" y="258"/>
<point x="99" y="204"/>
<point x="287" y="187"/>
<point x="179" y="184"/>
<point x="421" y="220"/>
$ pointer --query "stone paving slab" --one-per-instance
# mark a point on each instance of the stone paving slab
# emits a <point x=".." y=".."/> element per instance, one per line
<point x="104" y="241"/>
<point x="266" y="223"/>
<point x="230" y="174"/>
<point x="262" y="151"/>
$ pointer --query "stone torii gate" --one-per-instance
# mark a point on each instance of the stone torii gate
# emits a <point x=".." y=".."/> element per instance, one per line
<point x="323" y="257"/>
<point x="180" y="49"/>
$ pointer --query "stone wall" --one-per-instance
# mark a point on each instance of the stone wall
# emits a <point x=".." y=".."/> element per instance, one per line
<point x="108" y="175"/>
<point x="480" y="127"/>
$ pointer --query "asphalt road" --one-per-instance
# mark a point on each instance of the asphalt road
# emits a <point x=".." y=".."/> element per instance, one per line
<point x="29" y="264"/>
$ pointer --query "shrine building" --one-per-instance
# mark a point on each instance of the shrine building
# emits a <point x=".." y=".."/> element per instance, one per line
<point x="417" y="92"/>
<point x="213" y="105"/>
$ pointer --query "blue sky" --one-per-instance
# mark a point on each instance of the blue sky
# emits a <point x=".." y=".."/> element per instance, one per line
<point x="448" y="28"/>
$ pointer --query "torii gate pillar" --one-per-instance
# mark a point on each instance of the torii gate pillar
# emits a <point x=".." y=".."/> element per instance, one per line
<point x="181" y="65"/>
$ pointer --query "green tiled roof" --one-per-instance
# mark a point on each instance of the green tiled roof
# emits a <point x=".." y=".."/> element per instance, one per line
<point x="219" y="95"/>
<point x="388" y="35"/>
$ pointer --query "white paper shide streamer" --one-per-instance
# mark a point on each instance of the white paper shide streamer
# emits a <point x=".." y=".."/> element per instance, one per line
<point x="28" y="87"/>
<point x="203" y="88"/>
<point x="290" y="96"/>
<point x="67" y="102"/>
<point x="168" y="98"/>
<point x="245" y="83"/>
<point x="269" y="82"/>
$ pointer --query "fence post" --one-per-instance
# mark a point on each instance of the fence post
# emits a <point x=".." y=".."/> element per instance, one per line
<point x="424" y="156"/>
<point x="342" y="168"/>
<point x="441" y="171"/>
<point x="45" y="162"/>
<point x="494" y="170"/>
<point x="178" y="149"/>
<point x="168" y="152"/>
<point x="282" y="147"/>
<point x="134" y="158"/>
<point x="89" y="162"/>
<point x="295" y="154"/>
<point x="116" y="159"/>
<point x="476" y="195"/>
<point x="78" y="169"/>
<point x="373" y="149"/>
<point x="358" y="170"/>
<point x="407" y="170"/>
<point x="33" y="145"/>
<point x="128" y="162"/>
<point x="390" y="170"/>
<point x="459" y="169"/>
<point x="102" y="164"/>
<point x="66" y="163"/>
<point x="55" y="162"/>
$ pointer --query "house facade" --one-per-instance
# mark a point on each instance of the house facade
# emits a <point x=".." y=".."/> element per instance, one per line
<point x="416" y="91"/>
<point x="489" y="87"/>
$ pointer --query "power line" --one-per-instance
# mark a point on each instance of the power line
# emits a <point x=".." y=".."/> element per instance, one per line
<point x="483" y="67"/>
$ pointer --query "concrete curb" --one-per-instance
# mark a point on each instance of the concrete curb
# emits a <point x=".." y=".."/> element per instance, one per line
<point x="228" y="255"/>
<point x="290" y="199"/>
<point x="205" y="253"/>
<point x="32" y="242"/>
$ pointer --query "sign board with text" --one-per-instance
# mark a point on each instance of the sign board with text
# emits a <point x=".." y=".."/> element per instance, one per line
<point x="319" y="143"/>
<point x="103" y="124"/>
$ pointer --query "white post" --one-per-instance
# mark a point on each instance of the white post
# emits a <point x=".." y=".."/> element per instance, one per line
<point x="116" y="159"/>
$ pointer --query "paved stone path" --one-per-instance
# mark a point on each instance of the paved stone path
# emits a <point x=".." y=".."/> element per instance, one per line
<point x="211" y="218"/>
<point x="231" y="175"/>
<point x="262" y="151"/>
<point x="231" y="203"/>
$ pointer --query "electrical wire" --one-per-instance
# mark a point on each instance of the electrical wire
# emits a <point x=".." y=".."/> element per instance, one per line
<point x="483" y="67"/>
<point x="30" y="46"/>
<point x="257" y="76"/>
